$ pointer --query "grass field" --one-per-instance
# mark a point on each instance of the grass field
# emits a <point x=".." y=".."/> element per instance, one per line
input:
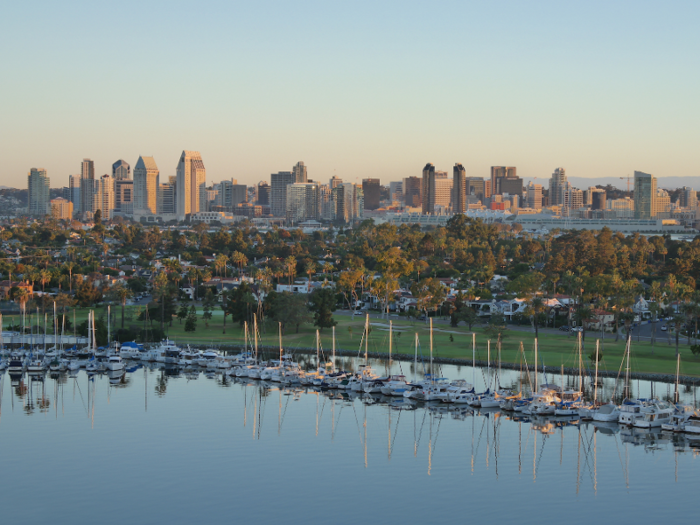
<point x="554" y="349"/>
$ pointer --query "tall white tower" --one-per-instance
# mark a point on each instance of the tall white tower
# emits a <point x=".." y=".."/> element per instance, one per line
<point x="191" y="184"/>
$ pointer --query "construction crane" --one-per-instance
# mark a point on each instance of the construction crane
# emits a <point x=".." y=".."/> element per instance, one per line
<point x="628" y="182"/>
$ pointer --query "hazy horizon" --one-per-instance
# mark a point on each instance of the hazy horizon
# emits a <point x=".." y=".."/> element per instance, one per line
<point x="354" y="90"/>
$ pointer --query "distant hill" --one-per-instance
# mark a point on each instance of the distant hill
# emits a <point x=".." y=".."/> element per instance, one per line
<point x="663" y="182"/>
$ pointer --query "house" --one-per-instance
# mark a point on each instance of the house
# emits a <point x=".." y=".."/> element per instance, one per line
<point x="6" y="286"/>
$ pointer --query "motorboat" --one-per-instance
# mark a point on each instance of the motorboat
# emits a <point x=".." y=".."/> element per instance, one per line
<point x="655" y="414"/>
<point x="207" y="356"/>
<point x="115" y="363"/>
<point x="681" y="415"/>
<point x="692" y="425"/>
<point x="395" y="383"/>
<point x="631" y="410"/>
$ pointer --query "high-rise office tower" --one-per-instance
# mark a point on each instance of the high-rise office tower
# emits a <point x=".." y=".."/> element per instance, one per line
<point x="501" y="172"/>
<point x="263" y="194"/>
<point x="534" y="196"/>
<point x="146" y="179"/>
<point x="558" y="188"/>
<point x="124" y="196"/>
<point x="191" y="184"/>
<point x="73" y="193"/>
<point x="303" y="202"/>
<point x="326" y="197"/>
<point x="335" y="182"/>
<point x="87" y="186"/>
<point x="121" y="170"/>
<point x="167" y="197"/>
<point x="428" y="189"/>
<point x="104" y="197"/>
<point x="372" y="190"/>
<point x="299" y="171"/>
<point x="510" y="185"/>
<point x="278" y="188"/>
<point x="598" y="198"/>
<point x="231" y="194"/>
<point x="644" y="195"/>
<point x="476" y="188"/>
<point x="412" y="187"/>
<point x="396" y="191"/>
<point x="688" y="198"/>
<point x="459" y="189"/>
<point x="39" y="185"/>
<point x="278" y="192"/>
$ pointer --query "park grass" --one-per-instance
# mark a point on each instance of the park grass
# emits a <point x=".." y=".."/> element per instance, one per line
<point x="554" y="349"/>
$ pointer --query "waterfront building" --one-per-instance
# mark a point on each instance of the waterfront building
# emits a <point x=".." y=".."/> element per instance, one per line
<point x="644" y="195"/>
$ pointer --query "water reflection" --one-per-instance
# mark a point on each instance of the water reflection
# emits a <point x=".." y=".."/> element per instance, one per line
<point x="376" y="429"/>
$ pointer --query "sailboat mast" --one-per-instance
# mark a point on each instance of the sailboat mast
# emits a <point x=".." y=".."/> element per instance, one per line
<point x="535" y="386"/>
<point x="245" y="336"/>
<point x="431" y="349"/>
<point x="473" y="360"/>
<point x="366" y="336"/>
<point x="45" y="319"/>
<point x="415" y="360"/>
<point x="627" y="369"/>
<point x="280" y="337"/>
<point x="580" y="365"/>
<point x="595" y="388"/>
<point x="334" y="348"/>
<point x="678" y="371"/>
<point x="488" y="361"/>
<point x="255" y="335"/>
<point x="318" y="358"/>
<point x="390" y="337"/>
<point x="109" y="325"/>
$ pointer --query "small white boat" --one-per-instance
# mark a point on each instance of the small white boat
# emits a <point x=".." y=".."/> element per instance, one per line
<point x="114" y="363"/>
<point x="655" y="415"/>
<point x="681" y="415"/>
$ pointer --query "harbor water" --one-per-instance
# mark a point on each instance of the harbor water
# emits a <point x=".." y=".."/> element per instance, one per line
<point x="160" y="445"/>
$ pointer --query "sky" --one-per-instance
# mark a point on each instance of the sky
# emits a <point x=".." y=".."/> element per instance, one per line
<point x="354" y="89"/>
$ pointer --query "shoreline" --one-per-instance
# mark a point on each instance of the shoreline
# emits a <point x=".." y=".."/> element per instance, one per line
<point x="647" y="376"/>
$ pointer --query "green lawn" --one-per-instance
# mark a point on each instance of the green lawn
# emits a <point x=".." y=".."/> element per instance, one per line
<point x="554" y="349"/>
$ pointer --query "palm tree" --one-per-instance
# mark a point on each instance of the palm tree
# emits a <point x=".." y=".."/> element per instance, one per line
<point x="121" y="293"/>
<point x="310" y="268"/>
<point x="290" y="264"/>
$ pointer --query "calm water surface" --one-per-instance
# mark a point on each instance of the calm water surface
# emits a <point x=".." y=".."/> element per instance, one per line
<point x="160" y="448"/>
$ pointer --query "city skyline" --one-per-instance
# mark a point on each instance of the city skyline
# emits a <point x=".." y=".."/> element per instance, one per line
<point x="582" y="99"/>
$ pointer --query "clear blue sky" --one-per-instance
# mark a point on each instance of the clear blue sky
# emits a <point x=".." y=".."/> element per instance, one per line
<point x="359" y="89"/>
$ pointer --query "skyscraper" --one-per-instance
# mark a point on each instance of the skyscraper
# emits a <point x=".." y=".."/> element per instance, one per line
<point x="74" y="192"/>
<point x="167" y="197"/>
<point x="87" y="186"/>
<point x="428" y="189"/>
<point x="412" y="191"/>
<point x="644" y="195"/>
<point x="146" y="179"/>
<point x="278" y="192"/>
<point x="335" y="181"/>
<point x="191" y="184"/>
<point x="688" y="198"/>
<point x="263" y="194"/>
<point x="303" y="202"/>
<point x="39" y="185"/>
<point x="459" y="189"/>
<point x="231" y="194"/>
<point x="476" y="188"/>
<point x="104" y="197"/>
<point x="124" y="196"/>
<point x="121" y="170"/>
<point x="501" y="172"/>
<point x="299" y="171"/>
<point x="558" y="187"/>
<point x="534" y="196"/>
<point x="372" y="191"/>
